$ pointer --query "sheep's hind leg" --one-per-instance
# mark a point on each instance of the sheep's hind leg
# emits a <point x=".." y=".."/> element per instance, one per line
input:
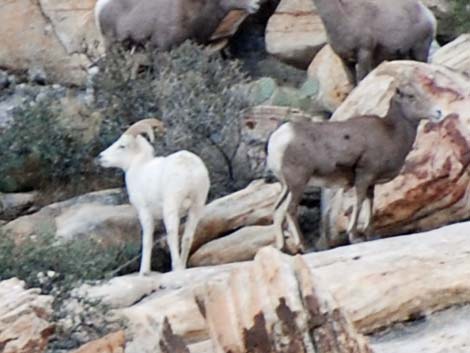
<point x="420" y="52"/>
<point x="292" y="221"/>
<point x="171" y="219"/>
<point x="279" y="216"/>
<point x="352" y="227"/>
<point x="190" y="227"/>
<point x="147" y="223"/>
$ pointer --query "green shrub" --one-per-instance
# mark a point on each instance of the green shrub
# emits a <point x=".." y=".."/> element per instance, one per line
<point x="57" y="269"/>
<point x="461" y="15"/>
<point x="76" y="260"/>
<point x="37" y="148"/>
<point x="199" y="96"/>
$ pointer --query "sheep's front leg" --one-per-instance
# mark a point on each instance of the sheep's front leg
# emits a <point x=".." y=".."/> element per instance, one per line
<point x="147" y="224"/>
<point x="364" y="64"/>
<point x="352" y="227"/>
<point x="172" y="220"/>
<point x="368" y="227"/>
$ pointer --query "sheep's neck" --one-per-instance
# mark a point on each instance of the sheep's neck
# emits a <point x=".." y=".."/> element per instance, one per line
<point x="334" y="18"/>
<point x="403" y="128"/>
<point x="139" y="160"/>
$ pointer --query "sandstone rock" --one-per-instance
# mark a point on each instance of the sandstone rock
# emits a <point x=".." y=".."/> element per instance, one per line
<point x="25" y="318"/>
<point x="433" y="187"/>
<point x="334" y="85"/>
<point x="56" y="36"/>
<point x="379" y="283"/>
<point x="241" y="245"/>
<point x="455" y="55"/>
<point x="121" y="292"/>
<point x="250" y="206"/>
<point x="446" y="331"/>
<point x="295" y="32"/>
<point x="278" y="304"/>
<point x="226" y="29"/>
<point x="107" y="223"/>
<point x="112" y="343"/>
<point x="13" y="204"/>
<point x="104" y="216"/>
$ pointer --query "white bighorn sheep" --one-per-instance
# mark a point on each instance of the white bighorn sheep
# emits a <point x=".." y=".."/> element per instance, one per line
<point x="363" y="33"/>
<point x="360" y="152"/>
<point x="163" y="23"/>
<point x="160" y="187"/>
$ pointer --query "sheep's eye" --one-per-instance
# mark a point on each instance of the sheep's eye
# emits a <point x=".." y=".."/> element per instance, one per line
<point x="411" y="96"/>
<point x="121" y="147"/>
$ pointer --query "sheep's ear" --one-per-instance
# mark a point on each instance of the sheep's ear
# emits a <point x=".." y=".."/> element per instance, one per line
<point x="149" y="132"/>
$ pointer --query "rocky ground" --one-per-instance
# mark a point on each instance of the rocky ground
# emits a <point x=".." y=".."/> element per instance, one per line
<point x="403" y="294"/>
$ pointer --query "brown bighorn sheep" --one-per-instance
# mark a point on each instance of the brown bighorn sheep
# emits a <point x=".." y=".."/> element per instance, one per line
<point x="160" y="187"/>
<point x="360" y="152"/>
<point x="163" y="23"/>
<point x="363" y="33"/>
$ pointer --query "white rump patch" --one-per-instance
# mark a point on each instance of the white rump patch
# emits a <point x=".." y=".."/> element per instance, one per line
<point x="277" y="145"/>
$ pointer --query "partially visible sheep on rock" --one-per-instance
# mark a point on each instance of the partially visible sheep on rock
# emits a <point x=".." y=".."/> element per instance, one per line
<point x="164" y="23"/>
<point x="367" y="32"/>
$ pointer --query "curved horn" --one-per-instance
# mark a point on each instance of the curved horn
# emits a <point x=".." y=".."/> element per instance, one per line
<point x="146" y="126"/>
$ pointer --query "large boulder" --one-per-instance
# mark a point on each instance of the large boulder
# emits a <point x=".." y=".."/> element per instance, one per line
<point x="12" y="205"/>
<point x="328" y="71"/>
<point x="433" y="187"/>
<point x="25" y="318"/>
<point x="388" y="282"/>
<point x="104" y="216"/>
<point x="252" y="205"/>
<point x="295" y="32"/>
<point x="56" y="36"/>
<point x="112" y="343"/>
<point x="455" y="55"/>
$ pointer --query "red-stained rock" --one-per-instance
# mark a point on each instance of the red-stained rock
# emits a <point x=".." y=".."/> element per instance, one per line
<point x="25" y="318"/>
<point x="434" y="186"/>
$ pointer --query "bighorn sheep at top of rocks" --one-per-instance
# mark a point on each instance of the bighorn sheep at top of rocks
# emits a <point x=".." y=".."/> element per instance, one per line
<point x="164" y="23"/>
<point x="160" y="187"/>
<point x="359" y="152"/>
<point x="363" y="33"/>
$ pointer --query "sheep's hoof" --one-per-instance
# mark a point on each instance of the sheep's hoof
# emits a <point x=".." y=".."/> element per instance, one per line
<point x="177" y="266"/>
<point x="294" y="248"/>
<point x="356" y="239"/>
